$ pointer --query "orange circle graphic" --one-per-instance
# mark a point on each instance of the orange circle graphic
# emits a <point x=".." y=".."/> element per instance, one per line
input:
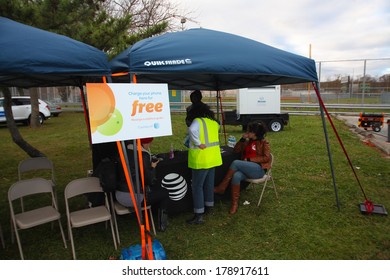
<point x="101" y="103"/>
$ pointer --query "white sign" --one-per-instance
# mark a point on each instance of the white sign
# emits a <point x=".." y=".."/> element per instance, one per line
<point x="119" y="112"/>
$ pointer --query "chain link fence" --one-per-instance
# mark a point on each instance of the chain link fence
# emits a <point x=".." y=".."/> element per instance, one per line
<point x="359" y="81"/>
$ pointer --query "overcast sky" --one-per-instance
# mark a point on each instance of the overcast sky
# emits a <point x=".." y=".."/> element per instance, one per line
<point x="335" y="29"/>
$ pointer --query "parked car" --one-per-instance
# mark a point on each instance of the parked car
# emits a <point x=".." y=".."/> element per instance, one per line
<point x="21" y="109"/>
<point x="55" y="109"/>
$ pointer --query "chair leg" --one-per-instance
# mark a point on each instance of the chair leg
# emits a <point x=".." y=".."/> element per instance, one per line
<point x="262" y="193"/>
<point x="264" y="187"/>
<point x="118" y="239"/>
<point x="62" y="234"/>
<point x="113" y="218"/>
<point x="19" y="243"/>
<point x="12" y="232"/>
<point x="274" y="187"/>
<point x="70" y="235"/>
<point x="2" y="238"/>
<point x="113" y="233"/>
<point x="152" y="221"/>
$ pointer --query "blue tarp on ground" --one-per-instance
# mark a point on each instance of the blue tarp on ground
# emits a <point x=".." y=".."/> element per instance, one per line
<point x="212" y="60"/>
<point x="34" y="57"/>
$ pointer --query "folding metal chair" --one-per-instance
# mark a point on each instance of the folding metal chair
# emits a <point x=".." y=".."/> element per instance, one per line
<point x="266" y="178"/>
<point x="84" y="217"/>
<point x="119" y="209"/>
<point x="36" y="216"/>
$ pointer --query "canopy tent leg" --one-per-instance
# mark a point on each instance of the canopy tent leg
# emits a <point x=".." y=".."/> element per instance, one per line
<point x="82" y="95"/>
<point x="219" y="106"/>
<point x="328" y="148"/>
<point x="368" y="203"/>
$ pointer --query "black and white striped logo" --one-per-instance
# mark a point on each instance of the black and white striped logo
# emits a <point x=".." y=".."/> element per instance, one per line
<point x="176" y="186"/>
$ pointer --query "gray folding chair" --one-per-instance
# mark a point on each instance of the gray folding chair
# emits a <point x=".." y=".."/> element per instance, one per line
<point x="35" y="167"/>
<point x="84" y="217"/>
<point x="37" y="216"/>
<point x="119" y="209"/>
<point x="266" y="178"/>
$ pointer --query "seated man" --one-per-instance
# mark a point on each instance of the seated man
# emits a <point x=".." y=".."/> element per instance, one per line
<point x="155" y="194"/>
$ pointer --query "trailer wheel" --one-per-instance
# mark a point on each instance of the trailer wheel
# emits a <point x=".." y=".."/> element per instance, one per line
<point x="275" y="125"/>
<point x="376" y="128"/>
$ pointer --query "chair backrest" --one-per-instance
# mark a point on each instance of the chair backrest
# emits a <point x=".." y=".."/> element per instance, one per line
<point x="82" y="186"/>
<point x="35" y="164"/>
<point x="28" y="187"/>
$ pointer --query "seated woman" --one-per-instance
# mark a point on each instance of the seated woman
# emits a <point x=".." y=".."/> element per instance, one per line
<point x="155" y="195"/>
<point x="255" y="160"/>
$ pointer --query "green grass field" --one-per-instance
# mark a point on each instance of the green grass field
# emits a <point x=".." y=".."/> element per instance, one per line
<point x="303" y="224"/>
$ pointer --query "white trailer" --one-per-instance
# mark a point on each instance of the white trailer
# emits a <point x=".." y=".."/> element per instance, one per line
<point x="258" y="104"/>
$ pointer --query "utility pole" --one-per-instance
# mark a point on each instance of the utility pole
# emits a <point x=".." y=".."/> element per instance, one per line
<point x="308" y="84"/>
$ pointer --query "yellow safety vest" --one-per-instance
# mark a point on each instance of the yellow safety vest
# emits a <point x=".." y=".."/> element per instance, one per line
<point x="211" y="155"/>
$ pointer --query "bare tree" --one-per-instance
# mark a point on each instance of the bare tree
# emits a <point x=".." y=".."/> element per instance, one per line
<point x="63" y="94"/>
<point x="34" y="119"/>
<point x="12" y="127"/>
<point x="148" y="13"/>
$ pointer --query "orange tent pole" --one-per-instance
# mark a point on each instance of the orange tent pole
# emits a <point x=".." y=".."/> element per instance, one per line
<point x="149" y="249"/>
<point x="141" y="167"/>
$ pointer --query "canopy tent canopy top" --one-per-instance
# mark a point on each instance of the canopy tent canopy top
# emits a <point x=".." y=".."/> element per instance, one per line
<point x="32" y="57"/>
<point x="211" y="60"/>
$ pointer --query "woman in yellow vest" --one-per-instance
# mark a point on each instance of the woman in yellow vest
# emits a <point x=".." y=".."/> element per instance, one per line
<point x="204" y="155"/>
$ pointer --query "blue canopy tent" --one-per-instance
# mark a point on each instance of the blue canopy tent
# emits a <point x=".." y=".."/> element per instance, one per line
<point x="212" y="60"/>
<point x="32" y="57"/>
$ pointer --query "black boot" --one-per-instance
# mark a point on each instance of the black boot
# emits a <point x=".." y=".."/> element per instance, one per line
<point x="196" y="220"/>
<point x="162" y="220"/>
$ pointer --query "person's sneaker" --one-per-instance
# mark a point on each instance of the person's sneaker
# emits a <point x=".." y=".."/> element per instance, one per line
<point x="196" y="220"/>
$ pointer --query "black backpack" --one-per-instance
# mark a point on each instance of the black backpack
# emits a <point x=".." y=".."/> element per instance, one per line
<point x="107" y="172"/>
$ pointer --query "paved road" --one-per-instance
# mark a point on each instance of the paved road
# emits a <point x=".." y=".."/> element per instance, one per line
<point x="379" y="139"/>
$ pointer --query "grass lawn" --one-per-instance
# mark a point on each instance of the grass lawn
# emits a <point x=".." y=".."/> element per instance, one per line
<point x="303" y="224"/>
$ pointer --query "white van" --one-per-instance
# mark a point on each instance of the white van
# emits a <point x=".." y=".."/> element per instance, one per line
<point x="21" y="109"/>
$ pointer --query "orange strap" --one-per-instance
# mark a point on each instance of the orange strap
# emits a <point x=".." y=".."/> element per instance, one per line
<point x="143" y="245"/>
<point x="149" y="249"/>
<point x="119" y="74"/>
<point x="141" y="168"/>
